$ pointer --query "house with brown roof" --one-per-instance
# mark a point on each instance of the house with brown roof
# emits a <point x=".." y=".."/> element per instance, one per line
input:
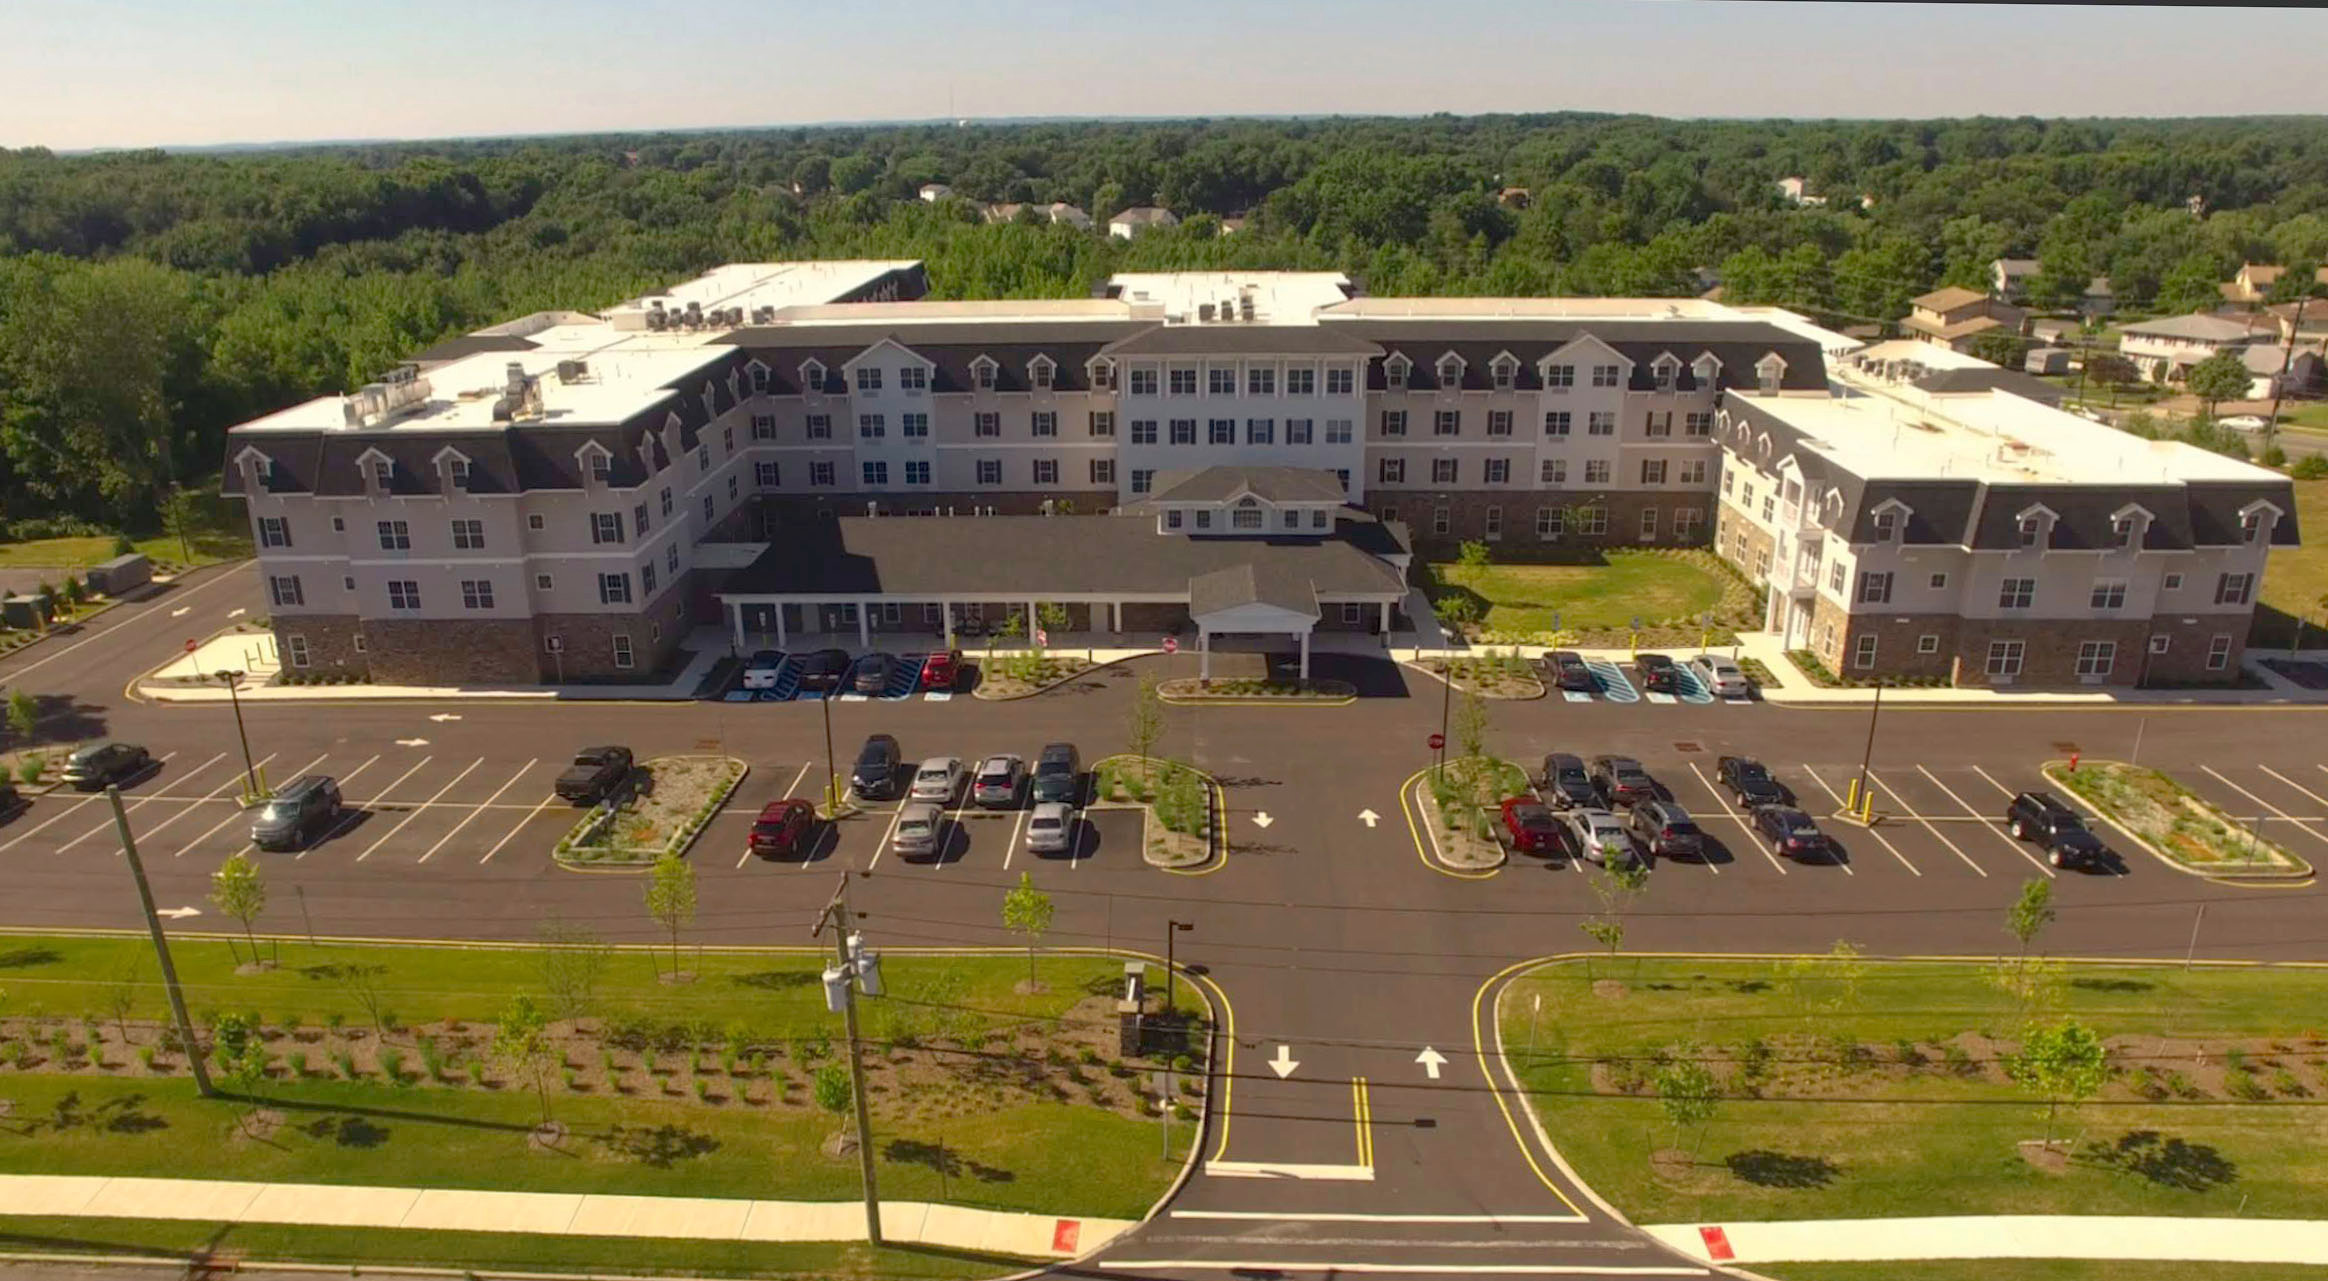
<point x="1954" y="316"/>
<point x="2255" y="280"/>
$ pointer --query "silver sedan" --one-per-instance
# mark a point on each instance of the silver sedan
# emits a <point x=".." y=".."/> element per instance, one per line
<point x="919" y="826"/>
<point x="939" y="779"/>
<point x="1051" y="828"/>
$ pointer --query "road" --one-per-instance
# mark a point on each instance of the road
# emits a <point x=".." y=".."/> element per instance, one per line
<point x="1333" y="938"/>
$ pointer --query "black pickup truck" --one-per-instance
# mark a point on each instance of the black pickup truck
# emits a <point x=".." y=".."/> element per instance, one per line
<point x="594" y="775"/>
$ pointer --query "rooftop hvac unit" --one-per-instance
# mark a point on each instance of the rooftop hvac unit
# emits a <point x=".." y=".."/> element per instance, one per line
<point x="1204" y="312"/>
<point x="658" y="320"/>
<point x="581" y="369"/>
<point x="1245" y="307"/>
<point x="569" y="370"/>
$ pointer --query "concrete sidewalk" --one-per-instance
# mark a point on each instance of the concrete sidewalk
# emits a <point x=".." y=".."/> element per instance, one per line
<point x="1034" y="1236"/>
<point x="2015" y="1236"/>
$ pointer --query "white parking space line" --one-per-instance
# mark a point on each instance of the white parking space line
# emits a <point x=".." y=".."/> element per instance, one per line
<point x="2308" y="792"/>
<point x="348" y="820"/>
<point x="794" y="786"/>
<point x="1880" y="838"/>
<point x="238" y="813"/>
<point x="1992" y="782"/>
<point x="2016" y="846"/>
<point x="1012" y="848"/>
<point x="1910" y="810"/>
<point x="196" y="803"/>
<point x="138" y="804"/>
<point x="886" y="834"/>
<point x="1751" y="837"/>
<point x="416" y="810"/>
<point x="471" y="816"/>
<point x="953" y="825"/>
<point x="75" y="808"/>
<point x="2301" y="825"/>
<point x="511" y="834"/>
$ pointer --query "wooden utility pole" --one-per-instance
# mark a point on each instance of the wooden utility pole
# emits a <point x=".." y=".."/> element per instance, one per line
<point x="145" y="901"/>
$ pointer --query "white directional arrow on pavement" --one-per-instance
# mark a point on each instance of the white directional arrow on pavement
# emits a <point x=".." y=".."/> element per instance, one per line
<point x="1432" y="1061"/>
<point x="179" y="913"/>
<point x="181" y="611"/>
<point x="1262" y="819"/>
<point x="412" y="742"/>
<point x="445" y="716"/>
<point x="1369" y="817"/>
<point x="1284" y="1063"/>
<point x="237" y="612"/>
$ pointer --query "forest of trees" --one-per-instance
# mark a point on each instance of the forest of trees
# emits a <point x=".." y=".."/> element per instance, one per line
<point x="149" y="301"/>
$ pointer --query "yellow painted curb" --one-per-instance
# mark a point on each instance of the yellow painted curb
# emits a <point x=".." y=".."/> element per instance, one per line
<point x="1415" y="833"/>
<point x="1215" y="798"/>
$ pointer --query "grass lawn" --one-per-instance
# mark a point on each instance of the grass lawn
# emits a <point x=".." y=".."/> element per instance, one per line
<point x="2296" y="578"/>
<point x="1868" y="1134"/>
<point x="2037" y="1270"/>
<point x="1523" y="598"/>
<point x="489" y="1250"/>
<point x="220" y="532"/>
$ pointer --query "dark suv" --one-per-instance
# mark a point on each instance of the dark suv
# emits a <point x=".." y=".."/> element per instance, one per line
<point x="877" y="775"/>
<point x="1567" y="669"/>
<point x="296" y="813"/>
<point x="91" y="768"/>
<point x="2068" y="842"/>
<point x="1749" y="782"/>
<point x="1657" y="673"/>
<point x="1621" y="782"/>
<point x="1565" y="785"/>
<point x="1665" y="830"/>
<point x="1058" y="774"/>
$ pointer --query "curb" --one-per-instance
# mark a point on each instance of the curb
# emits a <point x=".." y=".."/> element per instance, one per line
<point x="684" y="846"/>
<point x="1047" y="688"/>
<point x="1541" y="690"/>
<point x="1408" y="791"/>
<point x="2296" y="877"/>
<point x="1216" y="804"/>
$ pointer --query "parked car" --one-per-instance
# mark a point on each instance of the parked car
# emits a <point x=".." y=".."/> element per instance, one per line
<point x="784" y="829"/>
<point x="823" y="669"/>
<point x="1528" y="827"/>
<point x="90" y="768"/>
<point x="297" y="813"/>
<point x="1656" y="673"/>
<point x="1790" y="831"/>
<point x="594" y="774"/>
<point x="1620" y="781"/>
<point x="12" y="802"/>
<point x="1595" y="836"/>
<point x="1565" y="784"/>
<point x="880" y="769"/>
<point x="2068" y="842"/>
<point x="1059" y="774"/>
<point x="1749" y="782"/>
<point x="762" y="668"/>
<point x="1566" y="669"/>
<point x="918" y="827"/>
<point x="2243" y="422"/>
<point x="1051" y="828"/>
<point x="939" y="779"/>
<point x="1666" y="830"/>
<point x="870" y="675"/>
<point x="996" y="785"/>
<point x="1721" y="677"/>
<point x="940" y="670"/>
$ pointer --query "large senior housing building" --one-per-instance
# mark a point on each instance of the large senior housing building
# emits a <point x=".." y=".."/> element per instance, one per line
<point x="817" y="449"/>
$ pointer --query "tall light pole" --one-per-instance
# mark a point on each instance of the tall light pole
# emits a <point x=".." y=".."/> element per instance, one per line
<point x="1172" y="932"/>
<point x="233" y="682"/>
<point x="832" y="770"/>
<point x="1865" y="786"/>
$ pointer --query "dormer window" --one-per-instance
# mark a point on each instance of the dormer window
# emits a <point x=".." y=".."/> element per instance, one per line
<point x="1768" y="372"/>
<point x="2124" y="530"/>
<point x="383" y="473"/>
<point x="2032" y="529"/>
<point x="1039" y="371"/>
<point x="1887" y="526"/>
<point x="1396" y="369"/>
<point x="1667" y="370"/>
<point x="457" y="472"/>
<point x="812" y="375"/>
<point x="982" y="373"/>
<point x="1504" y="370"/>
<point x="2251" y="525"/>
<point x="1450" y="370"/>
<point x="759" y="375"/>
<point x="1102" y="374"/>
<point x="1708" y="370"/>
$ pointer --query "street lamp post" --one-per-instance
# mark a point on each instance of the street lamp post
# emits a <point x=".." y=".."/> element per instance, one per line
<point x="1863" y="791"/>
<point x="832" y="770"/>
<point x="1172" y="932"/>
<point x="233" y="682"/>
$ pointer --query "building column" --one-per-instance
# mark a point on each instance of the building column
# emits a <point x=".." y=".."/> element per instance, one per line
<point x="864" y="625"/>
<point x="778" y="609"/>
<point x="946" y="614"/>
<point x="735" y="611"/>
<point x="1115" y="610"/>
<point x="1203" y="654"/>
<point x="1032" y="624"/>
<point x="1305" y="655"/>
<point x="1386" y="622"/>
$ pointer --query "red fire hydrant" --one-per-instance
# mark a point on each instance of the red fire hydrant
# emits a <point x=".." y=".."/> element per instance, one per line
<point x="2073" y="762"/>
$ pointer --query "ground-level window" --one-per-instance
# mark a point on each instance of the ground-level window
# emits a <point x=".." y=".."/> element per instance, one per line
<point x="298" y="647"/>
<point x="358" y="641"/>
<point x="892" y="614"/>
<point x="1494" y="523"/>
<point x="1928" y="643"/>
<point x="1593" y="520"/>
<point x="2218" y="653"/>
<point x="2160" y="643"/>
<point x="1685" y="522"/>
<point x="2004" y="657"/>
<point x="1143" y="479"/>
<point x="933" y="615"/>
<point x="1353" y="615"/>
<point x="1103" y="471"/>
<point x="1648" y="524"/>
<point x="2096" y="658"/>
<point x="1439" y="522"/>
<point x="622" y="652"/>
<point x="1863" y="652"/>
<point x="1548" y="522"/>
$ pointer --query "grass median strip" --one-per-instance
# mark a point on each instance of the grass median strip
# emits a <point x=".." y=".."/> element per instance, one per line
<point x="1835" y="1088"/>
<point x="2174" y="821"/>
<point x="664" y="806"/>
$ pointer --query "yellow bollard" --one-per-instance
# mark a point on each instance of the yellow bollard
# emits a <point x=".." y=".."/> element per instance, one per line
<point x="1867" y="807"/>
<point x="1851" y="798"/>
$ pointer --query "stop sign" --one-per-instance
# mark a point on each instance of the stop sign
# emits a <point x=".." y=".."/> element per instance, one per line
<point x="1171" y="644"/>
<point x="190" y="647"/>
<point x="1438" y="741"/>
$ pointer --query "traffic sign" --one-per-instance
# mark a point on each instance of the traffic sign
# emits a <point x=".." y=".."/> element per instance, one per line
<point x="1171" y="644"/>
<point x="1438" y="741"/>
<point x="190" y="645"/>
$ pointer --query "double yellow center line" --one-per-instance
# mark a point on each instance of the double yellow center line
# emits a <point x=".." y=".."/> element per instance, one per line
<point x="1362" y="1109"/>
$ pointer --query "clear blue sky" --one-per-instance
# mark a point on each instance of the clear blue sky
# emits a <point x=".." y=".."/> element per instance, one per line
<point x="84" y="73"/>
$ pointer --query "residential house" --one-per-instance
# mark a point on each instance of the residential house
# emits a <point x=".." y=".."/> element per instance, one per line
<point x="2276" y="373"/>
<point x="2009" y="277"/>
<point x="2098" y="300"/>
<point x="2166" y="348"/>
<point x="1954" y="316"/>
<point x="2055" y="333"/>
<point x="1513" y="197"/>
<point x="1139" y="218"/>
<point x="933" y="192"/>
<point x="1796" y="192"/>
<point x="2255" y="280"/>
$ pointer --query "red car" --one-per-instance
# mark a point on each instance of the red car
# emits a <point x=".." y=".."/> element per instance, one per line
<point x="785" y="829"/>
<point x="1528" y="826"/>
<point x="938" y="670"/>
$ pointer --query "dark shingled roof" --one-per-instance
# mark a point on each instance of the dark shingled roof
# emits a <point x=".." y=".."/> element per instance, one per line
<point x="1958" y="382"/>
<point x="1279" y="586"/>
<point x="1271" y="484"/>
<point x="1736" y="344"/>
<point x="1012" y="345"/>
<point x="1026" y="557"/>
<point x="1203" y="340"/>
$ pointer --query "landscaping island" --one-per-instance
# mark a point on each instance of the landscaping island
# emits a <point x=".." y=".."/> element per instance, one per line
<point x="2173" y="822"/>
<point x="660" y="811"/>
<point x="1180" y="801"/>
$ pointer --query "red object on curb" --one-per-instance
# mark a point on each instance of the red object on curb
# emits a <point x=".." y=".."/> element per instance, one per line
<point x="1717" y="1244"/>
<point x="1438" y="741"/>
<point x="190" y="646"/>
<point x="1171" y="645"/>
<point x="2073" y="762"/>
<point x="1065" y="1233"/>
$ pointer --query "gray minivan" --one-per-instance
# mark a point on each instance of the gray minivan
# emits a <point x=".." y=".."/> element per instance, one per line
<point x="297" y="813"/>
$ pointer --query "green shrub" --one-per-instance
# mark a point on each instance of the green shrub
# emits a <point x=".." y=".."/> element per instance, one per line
<point x="145" y="1057"/>
<point x="2310" y="467"/>
<point x="346" y="1063"/>
<point x="392" y="1064"/>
